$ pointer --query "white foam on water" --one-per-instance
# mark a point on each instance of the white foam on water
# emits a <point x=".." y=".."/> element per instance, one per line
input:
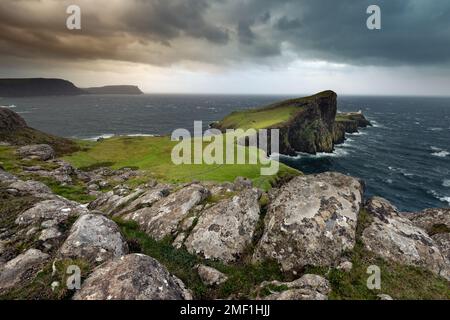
<point x="435" y="129"/>
<point x="446" y="183"/>
<point x="439" y="152"/>
<point x="110" y="135"/>
<point x="440" y="197"/>
<point x="9" y="107"/>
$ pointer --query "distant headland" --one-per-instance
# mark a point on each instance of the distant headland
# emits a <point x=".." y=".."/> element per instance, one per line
<point x="33" y="87"/>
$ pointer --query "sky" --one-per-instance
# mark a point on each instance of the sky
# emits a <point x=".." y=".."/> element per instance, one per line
<point x="232" y="46"/>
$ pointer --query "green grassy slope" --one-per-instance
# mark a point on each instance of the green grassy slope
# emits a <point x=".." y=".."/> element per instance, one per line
<point x="268" y="116"/>
<point x="153" y="154"/>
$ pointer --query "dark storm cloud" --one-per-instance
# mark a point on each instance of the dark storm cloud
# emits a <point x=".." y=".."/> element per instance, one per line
<point x="161" y="32"/>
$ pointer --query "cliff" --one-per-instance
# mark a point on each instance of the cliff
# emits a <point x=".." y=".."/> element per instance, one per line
<point x="14" y="130"/>
<point x="310" y="124"/>
<point x="37" y="87"/>
<point x="134" y="90"/>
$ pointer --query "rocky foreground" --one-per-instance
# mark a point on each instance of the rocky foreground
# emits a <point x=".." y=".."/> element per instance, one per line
<point x="309" y="222"/>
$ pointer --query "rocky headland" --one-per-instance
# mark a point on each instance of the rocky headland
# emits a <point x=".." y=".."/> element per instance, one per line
<point x="37" y="87"/>
<point x="308" y="237"/>
<point x="310" y="124"/>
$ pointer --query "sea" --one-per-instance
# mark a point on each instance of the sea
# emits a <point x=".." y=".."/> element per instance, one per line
<point x="404" y="157"/>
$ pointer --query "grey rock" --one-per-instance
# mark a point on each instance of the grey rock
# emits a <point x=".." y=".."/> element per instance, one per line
<point x="58" y="209"/>
<point x="311" y="221"/>
<point x="383" y="296"/>
<point x="226" y="229"/>
<point x="241" y="183"/>
<point x="346" y="266"/>
<point x="50" y="233"/>
<point x="38" y="151"/>
<point x="6" y="177"/>
<point x="95" y="238"/>
<point x="132" y="277"/>
<point x="430" y="219"/>
<point x="162" y="219"/>
<point x="21" y="269"/>
<point x="308" y="287"/>
<point x="33" y="188"/>
<point x="210" y="276"/>
<point x="396" y="238"/>
<point x="442" y="241"/>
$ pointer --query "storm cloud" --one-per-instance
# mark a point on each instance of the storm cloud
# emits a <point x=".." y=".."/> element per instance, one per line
<point x="221" y="32"/>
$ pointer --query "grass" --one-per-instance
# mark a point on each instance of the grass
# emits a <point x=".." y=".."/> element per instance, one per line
<point x="259" y="118"/>
<point x="267" y="117"/>
<point x="153" y="154"/>
<point x="24" y="136"/>
<point x="242" y="277"/>
<point x="40" y="287"/>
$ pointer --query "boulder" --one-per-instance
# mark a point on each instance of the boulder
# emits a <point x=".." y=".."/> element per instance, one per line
<point x="226" y="229"/>
<point x="431" y="220"/>
<point x="59" y="210"/>
<point x="6" y="177"/>
<point x="308" y="287"/>
<point x="132" y="277"/>
<point x="120" y="201"/>
<point x="210" y="276"/>
<point x="21" y="269"/>
<point x="396" y="238"/>
<point x="37" y="151"/>
<point x="30" y="187"/>
<point x="311" y="221"/>
<point x="95" y="238"/>
<point x="162" y="219"/>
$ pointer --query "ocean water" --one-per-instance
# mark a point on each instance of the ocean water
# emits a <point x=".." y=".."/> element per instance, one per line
<point x="404" y="157"/>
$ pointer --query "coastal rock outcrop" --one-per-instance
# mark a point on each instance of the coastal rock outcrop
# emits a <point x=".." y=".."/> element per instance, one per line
<point x="311" y="221"/>
<point x="308" y="287"/>
<point x="94" y="238"/>
<point x="15" y="131"/>
<point x="162" y="219"/>
<point x="132" y="277"/>
<point x="21" y="269"/>
<point x="38" y="151"/>
<point x="10" y="121"/>
<point x="396" y="238"/>
<point x="210" y="276"/>
<point x="224" y="230"/>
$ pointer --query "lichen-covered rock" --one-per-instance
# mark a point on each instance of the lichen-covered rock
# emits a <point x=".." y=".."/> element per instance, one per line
<point x="431" y="220"/>
<point x="38" y="151"/>
<point x="58" y="209"/>
<point x="21" y="269"/>
<point x="311" y="221"/>
<point x="442" y="240"/>
<point x="116" y="203"/>
<point x="30" y="187"/>
<point x="210" y="276"/>
<point x="226" y="229"/>
<point x="132" y="277"/>
<point x="162" y="219"/>
<point x="308" y="287"/>
<point x="94" y="238"/>
<point x="6" y="177"/>
<point x="394" y="237"/>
